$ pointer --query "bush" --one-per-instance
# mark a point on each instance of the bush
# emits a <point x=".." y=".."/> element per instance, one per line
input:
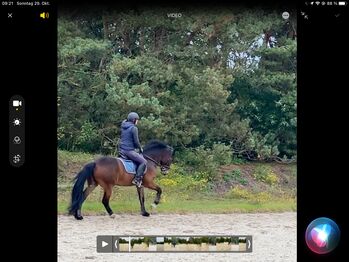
<point x="199" y="158"/>
<point x="168" y="182"/>
<point x="239" y="193"/>
<point x="88" y="140"/>
<point x="177" y="169"/>
<point x="266" y="175"/>
<point x="234" y="175"/>
<point x="222" y="154"/>
<point x="261" y="197"/>
<point x="181" y="181"/>
<point x="205" y="161"/>
<point x="237" y="160"/>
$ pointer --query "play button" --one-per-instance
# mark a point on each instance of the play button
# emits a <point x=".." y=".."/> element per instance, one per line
<point x="104" y="244"/>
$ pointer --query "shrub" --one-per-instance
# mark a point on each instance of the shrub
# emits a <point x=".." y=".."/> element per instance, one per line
<point x="222" y="154"/>
<point x="237" y="160"/>
<point x="266" y="175"/>
<point x="205" y="161"/>
<point x="168" y="182"/>
<point x="234" y="175"/>
<point x="240" y="193"/>
<point x="176" y="170"/>
<point x="261" y="197"/>
<point x="199" y="162"/>
<point x="88" y="140"/>
<point x="179" y="180"/>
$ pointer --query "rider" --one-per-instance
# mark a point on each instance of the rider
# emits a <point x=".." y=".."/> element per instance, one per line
<point x="129" y="142"/>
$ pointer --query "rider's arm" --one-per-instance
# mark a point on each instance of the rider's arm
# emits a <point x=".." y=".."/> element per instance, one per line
<point x="135" y="137"/>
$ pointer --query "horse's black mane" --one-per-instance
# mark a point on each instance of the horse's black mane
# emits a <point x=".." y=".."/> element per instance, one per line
<point x="155" y="145"/>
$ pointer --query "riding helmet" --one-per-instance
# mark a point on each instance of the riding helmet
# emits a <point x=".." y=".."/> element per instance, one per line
<point x="132" y="116"/>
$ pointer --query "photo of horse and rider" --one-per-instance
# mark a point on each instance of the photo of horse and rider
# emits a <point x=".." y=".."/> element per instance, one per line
<point x="131" y="168"/>
<point x="207" y="97"/>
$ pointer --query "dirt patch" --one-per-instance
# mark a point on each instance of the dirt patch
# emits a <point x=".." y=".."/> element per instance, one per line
<point x="274" y="235"/>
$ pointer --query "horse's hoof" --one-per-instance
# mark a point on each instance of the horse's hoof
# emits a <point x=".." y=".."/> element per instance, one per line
<point x="145" y="214"/>
<point x="112" y="216"/>
<point x="78" y="215"/>
<point x="153" y="205"/>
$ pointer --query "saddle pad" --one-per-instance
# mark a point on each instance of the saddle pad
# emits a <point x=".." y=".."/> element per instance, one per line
<point x="129" y="166"/>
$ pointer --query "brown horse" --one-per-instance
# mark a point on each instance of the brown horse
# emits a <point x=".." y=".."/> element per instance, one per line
<point x="109" y="171"/>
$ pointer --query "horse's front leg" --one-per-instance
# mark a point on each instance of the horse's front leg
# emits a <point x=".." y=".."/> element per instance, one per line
<point x="140" y="191"/>
<point x="158" y="190"/>
<point x="158" y="195"/>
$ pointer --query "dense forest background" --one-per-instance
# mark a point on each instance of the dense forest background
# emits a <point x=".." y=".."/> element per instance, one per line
<point x="206" y="81"/>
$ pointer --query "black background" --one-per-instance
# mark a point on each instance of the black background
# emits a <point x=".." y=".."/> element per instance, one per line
<point x="322" y="129"/>
<point x="29" y="193"/>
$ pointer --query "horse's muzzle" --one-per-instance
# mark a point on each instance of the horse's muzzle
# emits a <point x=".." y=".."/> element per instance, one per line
<point x="164" y="170"/>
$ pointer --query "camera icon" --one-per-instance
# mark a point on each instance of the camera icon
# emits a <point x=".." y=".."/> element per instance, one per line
<point x="17" y="103"/>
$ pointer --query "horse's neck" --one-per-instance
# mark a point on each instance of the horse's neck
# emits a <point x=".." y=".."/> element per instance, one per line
<point x="152" y="155"/>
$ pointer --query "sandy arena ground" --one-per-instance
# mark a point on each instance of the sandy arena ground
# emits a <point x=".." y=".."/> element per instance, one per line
<point x="273" y="235"/>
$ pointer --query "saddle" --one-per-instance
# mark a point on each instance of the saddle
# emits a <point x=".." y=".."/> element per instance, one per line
<point x="129" y="166"/>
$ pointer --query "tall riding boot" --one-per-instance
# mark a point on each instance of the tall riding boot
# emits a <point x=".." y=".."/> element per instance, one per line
<point x="139" y="175"/>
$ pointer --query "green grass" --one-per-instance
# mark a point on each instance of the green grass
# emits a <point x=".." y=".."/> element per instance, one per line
<point x="74" y="156"/>
<point x="190" y="206"/>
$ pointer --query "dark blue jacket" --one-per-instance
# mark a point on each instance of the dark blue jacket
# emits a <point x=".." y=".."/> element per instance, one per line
<point x="129" y="137"/>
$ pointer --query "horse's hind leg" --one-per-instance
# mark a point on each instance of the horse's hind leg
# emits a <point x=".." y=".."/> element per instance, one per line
<point x="107" y="193"/>
<point x="140" y="191"/>
<point x="88" y="190"/>
<point x="91" y="185"/>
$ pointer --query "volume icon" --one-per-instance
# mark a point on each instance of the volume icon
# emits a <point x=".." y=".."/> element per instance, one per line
<point x="44" y="15"/>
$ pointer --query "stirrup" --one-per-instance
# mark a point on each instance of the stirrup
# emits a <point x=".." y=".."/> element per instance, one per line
<point x="137" y="183"/>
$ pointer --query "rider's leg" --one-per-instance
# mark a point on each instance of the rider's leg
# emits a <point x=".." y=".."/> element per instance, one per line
<point x="141" y="163"/>
<point x="137" y="180"/>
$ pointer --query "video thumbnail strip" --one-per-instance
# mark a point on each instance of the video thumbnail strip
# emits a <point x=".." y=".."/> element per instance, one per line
<point x="201" y="243"/>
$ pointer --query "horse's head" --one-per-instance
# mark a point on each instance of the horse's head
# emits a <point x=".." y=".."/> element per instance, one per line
<point x="161" y="154"/>
<point x="166" y="160"/>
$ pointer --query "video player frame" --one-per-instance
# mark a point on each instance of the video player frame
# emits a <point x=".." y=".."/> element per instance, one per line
<point x="175" y="243"/>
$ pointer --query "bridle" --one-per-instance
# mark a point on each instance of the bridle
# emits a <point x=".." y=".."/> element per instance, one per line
<point x="163" y="167"/>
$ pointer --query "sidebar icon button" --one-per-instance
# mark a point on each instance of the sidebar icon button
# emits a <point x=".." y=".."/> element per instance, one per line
<point x="16" y="130"/>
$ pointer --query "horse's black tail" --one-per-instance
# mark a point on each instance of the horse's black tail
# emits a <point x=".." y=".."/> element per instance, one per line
<point x="77" y="196"/>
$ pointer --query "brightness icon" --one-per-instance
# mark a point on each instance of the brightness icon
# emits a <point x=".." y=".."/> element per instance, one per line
<point x="17" y="122"/>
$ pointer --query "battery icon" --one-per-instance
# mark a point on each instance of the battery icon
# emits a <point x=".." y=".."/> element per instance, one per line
<point x="342" y="3"/>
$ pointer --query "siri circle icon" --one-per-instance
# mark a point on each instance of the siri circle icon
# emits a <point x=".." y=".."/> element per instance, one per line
<point x="322" y="235"/>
